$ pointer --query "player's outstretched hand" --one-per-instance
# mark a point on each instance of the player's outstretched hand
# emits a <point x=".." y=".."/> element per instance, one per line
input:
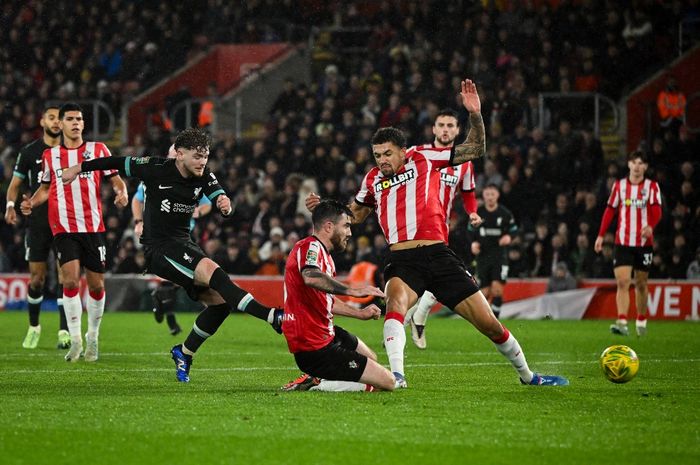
<point x="470" y="97"/>
<point x="121" y="199"/>
<point x="312" y="200"/>
<point x="11" y="216"/>
<point x="223" y="203"/>
<point x="475" y="220"/>
<point x="598" y="246"/>
<point x="69" y="174"/>
<point x="26" y="205"/>
<point x="365" y="291"/>
<point x="370" y="312"/>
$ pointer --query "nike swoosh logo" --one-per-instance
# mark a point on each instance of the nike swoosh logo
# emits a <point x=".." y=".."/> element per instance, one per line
<point x="164" y="187"/>
<point x="38" y="162"/>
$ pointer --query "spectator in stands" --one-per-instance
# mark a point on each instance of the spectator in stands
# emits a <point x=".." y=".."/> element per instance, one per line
<point x="671" y="105"/>
<point x="561" y="279"/>
<point x="273" y="265"/>
<point x="582" y="257"/>
<point x="276" y="240"/>
<point x="603" y="263"/>
<point x="205" y="118"/>
<point x="517" y="265"/>
<point x="693" y="271"/>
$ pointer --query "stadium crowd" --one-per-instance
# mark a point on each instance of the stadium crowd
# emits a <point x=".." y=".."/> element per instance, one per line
<point x="556" y="181"/>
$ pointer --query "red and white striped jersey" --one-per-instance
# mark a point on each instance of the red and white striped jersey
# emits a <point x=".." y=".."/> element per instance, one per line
<point x="408" y="203"/>
<point x="308" y="312"/>
<point x="452" y="178"/>
<point x="75" y="207"/>
<point x="633" y="202"/>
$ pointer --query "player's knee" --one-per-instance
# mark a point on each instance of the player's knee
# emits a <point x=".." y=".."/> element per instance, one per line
<point x="96" y="289"/>
<point x="385" y="381"/>
<point x="641" y="286"/>
<point x="623" y="283"/>
<point x="69" y="283"/>
<point x="37" y="280"/>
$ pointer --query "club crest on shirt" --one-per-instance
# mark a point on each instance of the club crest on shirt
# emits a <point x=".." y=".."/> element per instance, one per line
<point x="87" y="155"/>
<point x="197" y="190"/>
<point x="396" y="180"/>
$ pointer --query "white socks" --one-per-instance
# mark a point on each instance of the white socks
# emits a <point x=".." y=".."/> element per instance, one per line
<point x="394" y="341"/>
<point x="73" y="309"/>
<point x="95" y="309"/>
<point x="341" y="386"/>
<point x="511" y="350"/>
<point x="425" y="303"/>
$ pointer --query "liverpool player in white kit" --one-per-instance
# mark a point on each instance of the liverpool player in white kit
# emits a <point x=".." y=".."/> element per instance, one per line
<point x="637" y="201"/>
<point x="75" y="218"/>
<point x="331" y="358"/>
<point x="403" y="189"/>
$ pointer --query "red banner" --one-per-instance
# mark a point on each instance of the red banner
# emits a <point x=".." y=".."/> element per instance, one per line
<point x="668" y="300"/>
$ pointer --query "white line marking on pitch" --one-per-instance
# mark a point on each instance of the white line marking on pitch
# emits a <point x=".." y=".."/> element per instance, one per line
<point x="288" y="368"/>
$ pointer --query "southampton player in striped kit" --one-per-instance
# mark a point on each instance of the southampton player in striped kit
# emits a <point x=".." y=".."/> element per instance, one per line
<point x="403" y="189"/>
<point x="75" y="218"/>
<point x="453" y="179"/>
<point x="637" y="201"/>
<point x="331" y="358"/>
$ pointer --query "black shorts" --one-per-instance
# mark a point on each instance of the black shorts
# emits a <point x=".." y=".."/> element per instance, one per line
<point x="491" y="268"/>
<point x="638" y="258"/>
<point x="89" y="248"/>
<point x="38" y="242"/>
<point x="176" y="262"/>
<point x="338" y="361"/>
<point x="435" y="268"/>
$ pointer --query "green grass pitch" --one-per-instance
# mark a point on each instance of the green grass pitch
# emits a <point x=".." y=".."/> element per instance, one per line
<point x="464" y="403"/>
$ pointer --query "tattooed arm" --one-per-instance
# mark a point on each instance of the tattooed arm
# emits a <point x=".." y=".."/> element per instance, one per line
<point x="475" y="144"/>
<point x="313" y="277"/>
<point x="359" y="212"/>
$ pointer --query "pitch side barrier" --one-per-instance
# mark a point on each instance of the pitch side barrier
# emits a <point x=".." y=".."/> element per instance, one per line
<point x="525" y="298"/>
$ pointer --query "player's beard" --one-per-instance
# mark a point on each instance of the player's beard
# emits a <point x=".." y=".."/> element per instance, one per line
<point x="446" y="143"/>
<point x="338" y="242"/>
<point x="52" y="134"/>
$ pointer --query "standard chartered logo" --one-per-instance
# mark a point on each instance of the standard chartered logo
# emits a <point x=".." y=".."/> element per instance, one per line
<point x="173" y="207"/>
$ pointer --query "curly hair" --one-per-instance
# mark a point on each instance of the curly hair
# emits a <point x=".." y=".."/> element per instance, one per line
<point x="389" y="134"/>
<point x="193" y="139"/>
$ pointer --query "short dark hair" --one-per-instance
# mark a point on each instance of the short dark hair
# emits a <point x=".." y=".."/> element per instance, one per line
<point x="638" y="154"/>
<point x="389" y="134"/>
<point x="447" y="112"/>
<point x="69" y="106"/>
<point x="329" y="210"/>
<point x="193" y="139"/>
<point x="51" y="106"/>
